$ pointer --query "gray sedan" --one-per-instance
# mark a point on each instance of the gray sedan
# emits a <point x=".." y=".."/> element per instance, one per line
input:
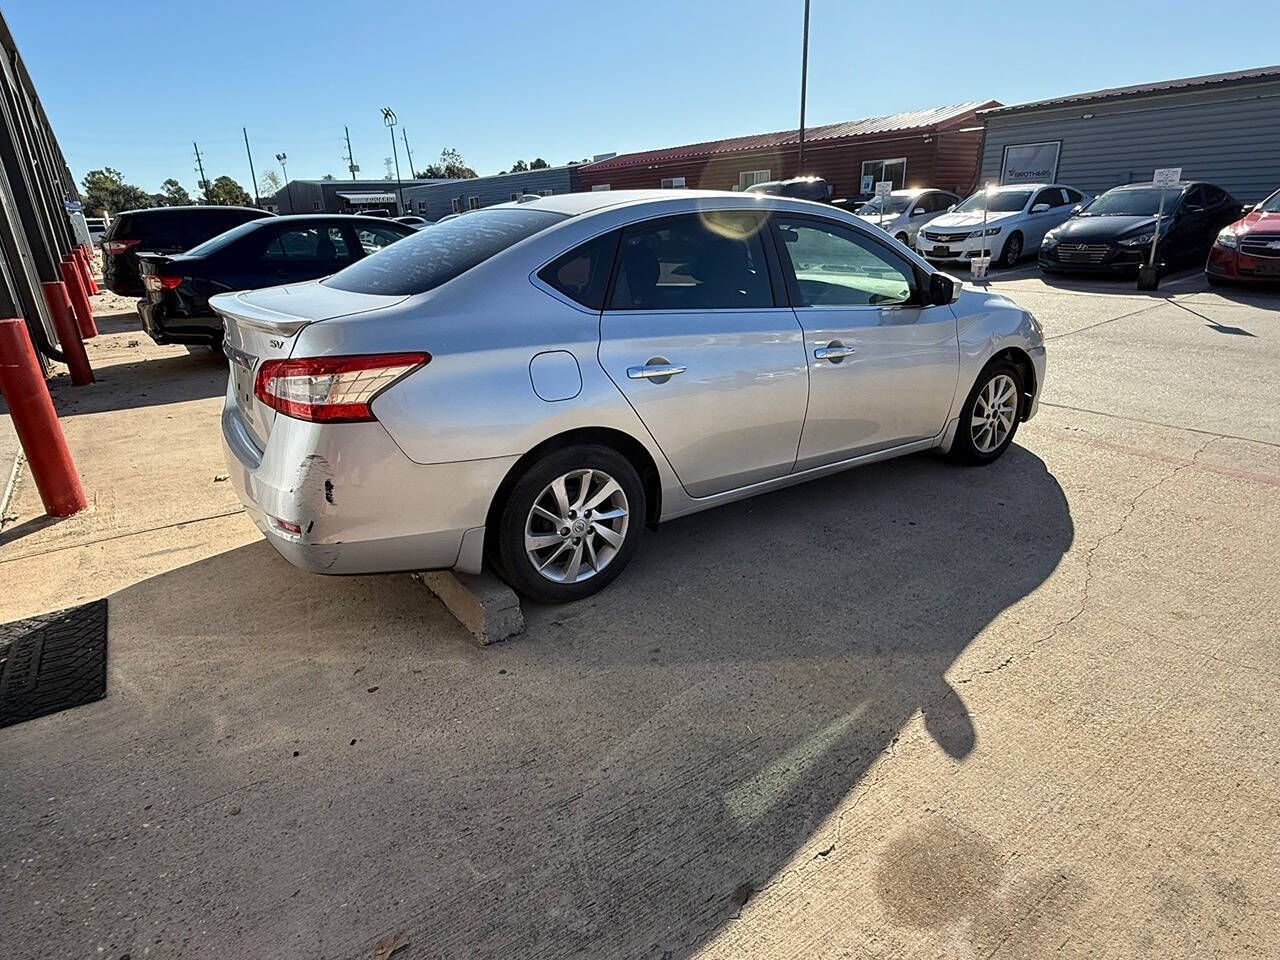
<point x="531" y="384"/>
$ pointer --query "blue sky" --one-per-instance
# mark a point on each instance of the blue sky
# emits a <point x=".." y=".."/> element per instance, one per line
<point x="131" y="83"/>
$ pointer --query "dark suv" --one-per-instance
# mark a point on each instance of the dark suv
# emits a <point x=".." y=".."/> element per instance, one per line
<point x="161" y="230"/>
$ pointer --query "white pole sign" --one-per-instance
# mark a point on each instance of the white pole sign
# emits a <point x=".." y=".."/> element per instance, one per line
<point x="884" y="190"/>
<point x="1163" y="177"/>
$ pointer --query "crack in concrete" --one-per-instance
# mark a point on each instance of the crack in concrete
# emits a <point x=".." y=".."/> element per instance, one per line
<point x="1088" y="566"/>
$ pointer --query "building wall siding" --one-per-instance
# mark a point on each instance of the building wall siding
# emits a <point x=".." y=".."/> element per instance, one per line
<point x="439" y="197"/>
<point x="1228" y="136"/>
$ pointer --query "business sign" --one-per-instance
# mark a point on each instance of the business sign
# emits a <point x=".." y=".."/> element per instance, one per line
<point x="1166" y="176"/>
<point x="1031" y="162"/>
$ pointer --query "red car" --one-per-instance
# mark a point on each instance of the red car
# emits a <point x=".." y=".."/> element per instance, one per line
<point x="1249" y="249"/>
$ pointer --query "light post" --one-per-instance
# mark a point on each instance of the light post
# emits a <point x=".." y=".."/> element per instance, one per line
<point x="804" y="84"/>
<point x="389" y="120"/>
<point x="281" y="158"/>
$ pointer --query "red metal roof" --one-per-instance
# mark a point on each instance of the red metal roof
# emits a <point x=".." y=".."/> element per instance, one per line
<point x="871" y="126"/>
<point x="1139" y="89"/>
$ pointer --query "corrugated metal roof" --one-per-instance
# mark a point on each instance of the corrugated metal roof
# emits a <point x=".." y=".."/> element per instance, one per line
<point x="893" y="123"/>
<point x="1139" y="89"/>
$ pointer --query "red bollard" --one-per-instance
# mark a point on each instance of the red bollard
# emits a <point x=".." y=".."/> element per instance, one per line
<point x="79" y="299"/>
<point x="55" y="295"/>
<point x="24" y="389"/>
<point x="86" y="267"/>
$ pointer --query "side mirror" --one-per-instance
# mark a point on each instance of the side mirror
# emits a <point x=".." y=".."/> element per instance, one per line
<point x="1040" y="208"/>
<point x="942" y="290"/>
<point x="918" y="212"/>
<point x="950" y="208"/>
<point x="1077" y="208"/>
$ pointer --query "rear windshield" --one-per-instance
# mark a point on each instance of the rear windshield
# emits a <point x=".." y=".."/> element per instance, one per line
<point x="437" y="254"/>
<point x="213" y="244"/>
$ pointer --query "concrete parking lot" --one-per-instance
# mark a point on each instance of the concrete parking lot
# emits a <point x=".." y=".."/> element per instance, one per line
<point x="911" y="711"/>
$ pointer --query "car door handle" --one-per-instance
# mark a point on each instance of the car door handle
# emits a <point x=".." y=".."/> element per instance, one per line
<point x="835" y="351"/>
<point x="654" y="371"/>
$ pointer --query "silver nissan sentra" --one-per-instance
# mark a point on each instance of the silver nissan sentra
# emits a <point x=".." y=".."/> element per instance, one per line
<point x="530" y="384"/>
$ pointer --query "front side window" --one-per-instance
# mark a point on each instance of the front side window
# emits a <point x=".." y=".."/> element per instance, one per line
<point x="1050" y="195"/>
<point x="374" y="237"/>
<point x="582" y="274"/>
<point x="713" y="260"/>
<point x="428" y="258"/>
<point x="836" y="266"/>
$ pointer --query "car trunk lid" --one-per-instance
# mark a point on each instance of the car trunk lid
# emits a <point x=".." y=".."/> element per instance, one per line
<point x="264" y="325"/>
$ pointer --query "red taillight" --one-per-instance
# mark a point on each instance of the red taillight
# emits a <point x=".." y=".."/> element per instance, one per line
<point x="331" y="389"/>
<point x="155" y="283"/>
<point x="118" y="246"/>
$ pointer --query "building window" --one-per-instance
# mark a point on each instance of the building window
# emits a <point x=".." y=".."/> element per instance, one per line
<point x="317" y="206"/>
<point x="601" y="186"/>
<point x="422" y="206"/>
<point x="515" y="198"/>
<point x="749" y="178"/>
<point x="672" y="183"/>
<point x="457" y="204"/>
<point x="894" y="171"/>
<point x="473" y="203"/>
<point x="544" y="193"/>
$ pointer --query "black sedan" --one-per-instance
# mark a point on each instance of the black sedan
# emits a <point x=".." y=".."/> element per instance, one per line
<point x="1112" y="235"/>
<point x="263" y="253"/>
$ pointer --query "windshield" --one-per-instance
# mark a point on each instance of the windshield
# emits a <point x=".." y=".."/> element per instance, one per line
<point x="1271" y="204"/>
<point x="893" y="207"/>
<point x="1002" y="201"/>
<point x="1132" y="202"/>
<point x="427" y="258"/>
<point x="213" y="244"/>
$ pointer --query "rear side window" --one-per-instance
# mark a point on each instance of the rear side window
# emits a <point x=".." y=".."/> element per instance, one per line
<point x="436" y="255"/>
<point x="582" y="274"/>
<point x="699" y="261"/>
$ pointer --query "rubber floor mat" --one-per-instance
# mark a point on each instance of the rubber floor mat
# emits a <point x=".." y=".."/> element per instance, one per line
<point x="52" y="662"/>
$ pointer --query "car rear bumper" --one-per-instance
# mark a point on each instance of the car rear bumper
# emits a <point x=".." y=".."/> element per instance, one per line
<point x="360" y="504"/>
<point x="162" y="327"/>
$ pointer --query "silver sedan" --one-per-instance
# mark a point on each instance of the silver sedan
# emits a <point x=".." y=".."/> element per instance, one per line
<point x="533" y="383"/>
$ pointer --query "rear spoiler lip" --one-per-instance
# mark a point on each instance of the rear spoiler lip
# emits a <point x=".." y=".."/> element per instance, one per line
<point x="230" y="306"/>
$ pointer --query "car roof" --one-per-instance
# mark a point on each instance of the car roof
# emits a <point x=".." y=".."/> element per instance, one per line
<point x="574" y="204"/>
<point x="188" y="208"/>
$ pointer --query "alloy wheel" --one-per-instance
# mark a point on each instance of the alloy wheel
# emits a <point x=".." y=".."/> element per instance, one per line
<point x="994" y="412"/>
<point x="576" y="526"/>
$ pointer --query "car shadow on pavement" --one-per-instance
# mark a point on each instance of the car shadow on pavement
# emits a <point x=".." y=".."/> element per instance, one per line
<point x="142" y="383"/>
<point x="326" y="761"/>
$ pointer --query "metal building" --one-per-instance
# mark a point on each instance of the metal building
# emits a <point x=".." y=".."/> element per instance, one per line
<point x="342" y="196"/>
<point x="435" y="200"/>
<point x="1223" y="128"/>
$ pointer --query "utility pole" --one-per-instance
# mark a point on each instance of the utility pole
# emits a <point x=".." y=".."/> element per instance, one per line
<point x="204" y="182"/>
<point x="257" y="201"/>
<point x="281" y="158"/>
<point x="804" y="83"/>
<point x="389" y="120"/>
<point x="405" y="135"/>
<point x="352" y="167"/>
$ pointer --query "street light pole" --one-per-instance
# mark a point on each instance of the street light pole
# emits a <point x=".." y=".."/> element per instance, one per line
<point x="257" y="201"/>
<point x="804" y="82"/>
<point x="281" y="158"/>
<point x="389" y="119"/>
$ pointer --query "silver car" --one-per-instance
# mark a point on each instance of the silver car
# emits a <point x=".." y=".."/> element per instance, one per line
<point x="904" y="212"/>
<point x="531" y="384"/>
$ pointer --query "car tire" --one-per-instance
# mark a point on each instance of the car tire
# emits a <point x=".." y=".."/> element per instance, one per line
<point x="1012" y="251"/>
<point x="577" y="543"/>
<point x="982" y="438"/>
<point x="903" y="239"/>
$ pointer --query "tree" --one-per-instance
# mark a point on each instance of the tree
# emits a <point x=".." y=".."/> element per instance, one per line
<point x="105" y="190"/>
<point x="519" y="167"/>
<point x="328" y="176"/>
<point x="449" y="167"/>
<point x="226" y="192"/>
<point x="173" y="194"/>
<point x="270" y="183"/>
<point x="538" y="164"/>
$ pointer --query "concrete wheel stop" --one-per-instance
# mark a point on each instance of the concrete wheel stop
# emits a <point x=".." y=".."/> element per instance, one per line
<point x="482" y="603"/>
